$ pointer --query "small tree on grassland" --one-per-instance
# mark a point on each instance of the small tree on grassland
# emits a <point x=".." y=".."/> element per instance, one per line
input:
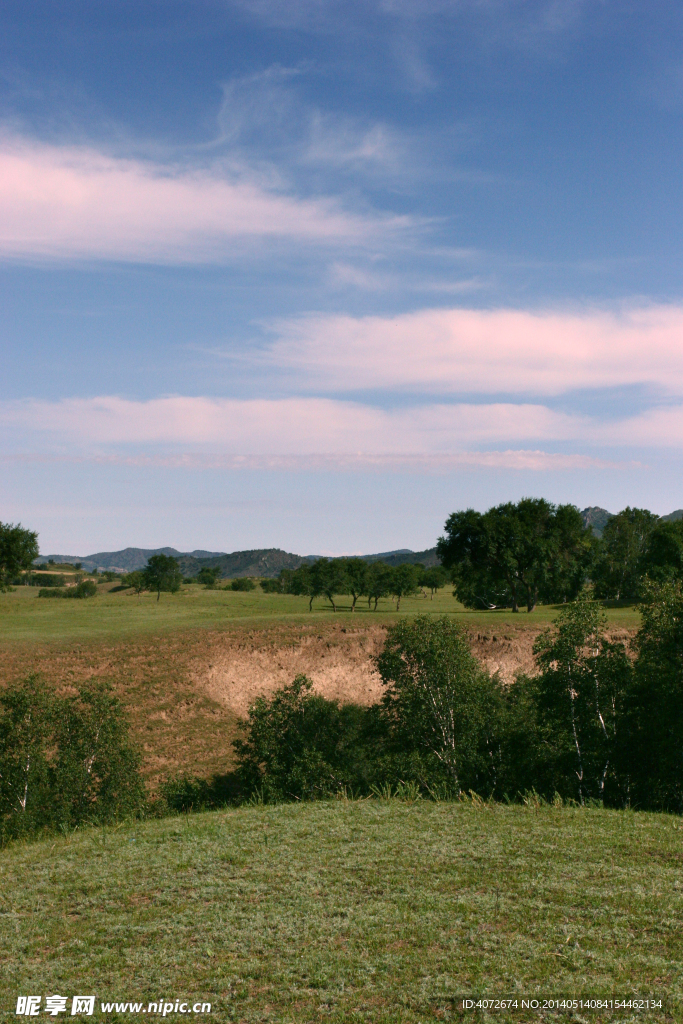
<point x="404" y="581"/>
<point x="135" y="580"/>
<point x="162" y="572"/>
<point x="434" y="578"/>
<point x="378" y="582"/>
<point x="355" y="572"/>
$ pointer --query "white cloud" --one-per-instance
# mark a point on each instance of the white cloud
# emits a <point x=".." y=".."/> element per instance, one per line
<point x="451" y="351"/>
<point x="74" y="202"/>
<point x="318" y="428"/>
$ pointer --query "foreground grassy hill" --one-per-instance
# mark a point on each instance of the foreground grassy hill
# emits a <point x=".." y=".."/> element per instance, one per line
<point x="379" y="911"/>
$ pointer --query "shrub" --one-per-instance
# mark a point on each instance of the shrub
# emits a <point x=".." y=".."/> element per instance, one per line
<point x="242" y="583"/>
<point x="86" y="588"/>
<point x="301" y="746"/>
<point x="64" y="760"/>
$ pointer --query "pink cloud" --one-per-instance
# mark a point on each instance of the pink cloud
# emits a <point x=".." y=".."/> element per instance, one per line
<point x="464" y="350"/>
<point x="285" y="426"/>
<point x="74" y="202"/>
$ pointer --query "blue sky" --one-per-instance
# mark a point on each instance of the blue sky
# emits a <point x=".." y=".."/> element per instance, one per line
<point x="315" y="274"/>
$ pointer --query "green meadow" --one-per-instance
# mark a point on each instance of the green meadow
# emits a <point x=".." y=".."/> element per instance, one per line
<point x="345" y="911"/>
<point x="120" y="613"/>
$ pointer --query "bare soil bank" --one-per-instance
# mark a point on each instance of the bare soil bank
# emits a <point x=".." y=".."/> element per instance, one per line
<point x="339" y="662"/>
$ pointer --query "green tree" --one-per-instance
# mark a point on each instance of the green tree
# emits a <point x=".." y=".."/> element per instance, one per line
<point x="581" y="695"/>
<point x="355" y="572"/>
<point x="209" y="575"/>
<point x="303" y="582"/>
<point x="329" y="578"/>
<point x="299" y="745"/>
<point x="162" y="572"/>
<point x="378" y="581"/>
<point x="620" y="560"/>
<point x="135" y="580"/>
<point x="439" y="699"/>
<point x="27" y="717"/>
<point x="64" y="760"/>
<point x="527" y="552"/>
<point x="243" y="583"/>
<point x="654" y="750"/>
<point x="662" y="560"/>
<point x="433" y="578"/>
<point x="18" y="551"/>
<point x="96" y="768"/>
<point x="404" y="581"/>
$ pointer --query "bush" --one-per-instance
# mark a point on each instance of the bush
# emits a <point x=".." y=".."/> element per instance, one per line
<point x="86" y="588"/>
<point x="64" y="760"/>
<point x="301" y="746"/>
<point x="271" y="586"/>
<point x="48" y="580"/>
<point x="242" y="583"/>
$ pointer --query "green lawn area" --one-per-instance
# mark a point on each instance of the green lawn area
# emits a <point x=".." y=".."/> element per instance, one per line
<point x="372" y="911"/>
<point x="26" y="617"/>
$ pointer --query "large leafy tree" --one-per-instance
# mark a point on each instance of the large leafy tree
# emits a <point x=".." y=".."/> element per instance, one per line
<point x="18" y="550"/>
<point x="405" y="581"/>
<point x="64" y="759"/>
<point x="516" y="553"/>
<point x="298" y="745"/>
<point x="330" y="578"/>
<point x="622" y="560"/>
<point x="662" y="560"/>
<point x="162" y="572"/>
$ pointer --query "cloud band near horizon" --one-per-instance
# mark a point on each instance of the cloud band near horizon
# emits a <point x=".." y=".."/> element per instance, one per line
<point x="319" y="427"/>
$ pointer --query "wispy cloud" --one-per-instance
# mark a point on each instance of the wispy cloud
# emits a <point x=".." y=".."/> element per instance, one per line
<point x="77" y="203"/>
<point x="521" y="459"/>
<point x="315" y="427"/>
<point x="487" y="352"/>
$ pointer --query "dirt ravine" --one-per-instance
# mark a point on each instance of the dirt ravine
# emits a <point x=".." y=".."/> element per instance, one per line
<point x="338" y="660"/>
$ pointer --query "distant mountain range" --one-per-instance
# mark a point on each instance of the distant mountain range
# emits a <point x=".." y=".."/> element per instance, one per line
<point x="269" y="561"/>
<point x="257" y="562"/>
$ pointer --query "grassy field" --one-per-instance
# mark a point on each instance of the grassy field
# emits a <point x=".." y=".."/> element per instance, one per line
<point x="377" y="911"/>
<point x="24" y="617"/>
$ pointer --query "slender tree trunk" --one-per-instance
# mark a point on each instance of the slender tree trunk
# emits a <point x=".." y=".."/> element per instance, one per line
<point x="310" y="604"/>
<point x="353" y="603"/>
<point x="158" y="594"/>
<point x="376" y="600"/>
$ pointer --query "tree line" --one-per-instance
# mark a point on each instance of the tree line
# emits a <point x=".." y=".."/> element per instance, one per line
<point x="331" y="578"/>
<point x="598" y="723"/>
<point x="534" y="551"/>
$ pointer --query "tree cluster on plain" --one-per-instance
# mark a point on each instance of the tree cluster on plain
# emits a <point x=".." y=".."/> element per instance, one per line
<point x="534" y="551"/>
<point x="331" y="578"/>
